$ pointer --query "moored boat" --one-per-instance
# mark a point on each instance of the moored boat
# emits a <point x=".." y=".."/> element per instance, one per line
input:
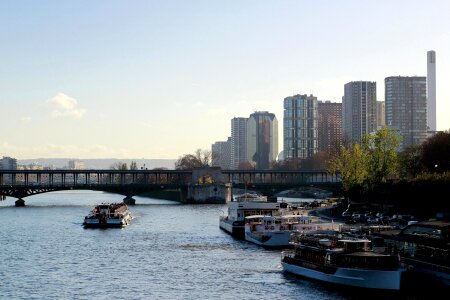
<point x="275" y="231"/>
<point x="108" y="215"/>
<point x="243" y="206"/>
<point x="343" y="260"/>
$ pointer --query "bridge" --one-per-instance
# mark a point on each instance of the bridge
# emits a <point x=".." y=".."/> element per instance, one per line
<point x="208" y="183"/>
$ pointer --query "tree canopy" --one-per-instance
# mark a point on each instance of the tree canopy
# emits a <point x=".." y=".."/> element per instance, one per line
<point x="201" y="159"/>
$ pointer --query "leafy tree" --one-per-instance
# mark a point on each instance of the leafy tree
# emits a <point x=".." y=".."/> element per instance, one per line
<point x="246" y="165"/>
<point x="287" y="164"/>
<point x="382" y="156"/>
<point x="436" y="152"/>
<point x="316" y="162"/>
<point x="352" y="164"/>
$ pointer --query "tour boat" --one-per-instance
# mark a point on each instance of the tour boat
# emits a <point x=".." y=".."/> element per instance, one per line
<point x="108" y="215"/>
<point x="275" y="231"/>
<point x="242" y="206"/>
<point x="344" y="260"/>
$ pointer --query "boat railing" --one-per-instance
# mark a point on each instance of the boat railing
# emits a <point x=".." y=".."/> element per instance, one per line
<point x="427" y="265"/>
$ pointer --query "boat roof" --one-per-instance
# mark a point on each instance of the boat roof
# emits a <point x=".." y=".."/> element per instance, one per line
<point x="255" y="217"/>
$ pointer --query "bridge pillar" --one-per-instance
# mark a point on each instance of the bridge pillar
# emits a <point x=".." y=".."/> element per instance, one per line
<point x="209" y="193"/>
<point x="129" y="200"/>
<point x="20" y="202"/>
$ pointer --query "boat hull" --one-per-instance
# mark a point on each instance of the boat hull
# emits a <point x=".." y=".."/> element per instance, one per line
<point x="235" y="229"/>
<point x="278" y="239"/>
<point x="371" y="279"/>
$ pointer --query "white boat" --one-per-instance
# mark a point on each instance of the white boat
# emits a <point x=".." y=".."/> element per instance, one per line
<point x="242" y="206"/>
<point x="342" y="260"/>
<point x="108" y="215"/>
<point x="275" y="231"/>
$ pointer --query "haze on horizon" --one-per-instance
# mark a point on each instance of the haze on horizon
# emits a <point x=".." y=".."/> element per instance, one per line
<point x="158" y="79"/>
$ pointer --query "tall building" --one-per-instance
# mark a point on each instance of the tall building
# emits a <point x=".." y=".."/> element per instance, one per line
<point x="431" y="88"/>
<point x="406" y="108"/>
<point x="8" y="163"/>
<point x="238" y="141"/>
<point x="329" y="126"/>
<point x="359" y="110"/>
<point x="262" y="139"/>
<point x="381" y="118"/>
<point x="221" y="154"/>
<point x="76" y="165"/>
<point x="300" y="133"/>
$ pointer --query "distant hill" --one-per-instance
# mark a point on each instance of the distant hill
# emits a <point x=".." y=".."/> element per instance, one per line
<point x="101" y="163"/>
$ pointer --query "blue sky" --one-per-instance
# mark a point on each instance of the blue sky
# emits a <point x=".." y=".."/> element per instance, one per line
<point x="158" y="79"/>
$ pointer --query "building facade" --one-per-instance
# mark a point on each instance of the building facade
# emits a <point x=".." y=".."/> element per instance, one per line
<point x="8" y="163"/>
<point x="431" y="89"/>
<point x="300" y="122"/>
<point x="76" y="165"/>
<point x="238" y="141"/>
<point x="381" y="116"/>
<point x="262" y="139"/>
<point x="406" y="108"/>
<point x="359" y="110"/>
<point x="329" y="126"/>
<point x="221" y="154"/>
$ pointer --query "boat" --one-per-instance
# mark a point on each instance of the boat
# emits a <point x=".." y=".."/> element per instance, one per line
<point x="242" y="206"/>
<point x="343" y="260"/>
<point x="276" y="231"/>
<point x="108" y="215"/>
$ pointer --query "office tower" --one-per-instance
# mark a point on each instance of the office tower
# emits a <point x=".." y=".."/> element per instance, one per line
<point x="381" y="119"/>
<point x="359" y="110"/>
<point x="300" y="126"/>
<point x="431" y="89"/>
<point x="262" y="139"/>
<point x="329" y="126"/>
<point x="76" y="165"/>
<point x="406" y="108"/>
<point x="221" y="154"/>
<point x="238" y="141"/>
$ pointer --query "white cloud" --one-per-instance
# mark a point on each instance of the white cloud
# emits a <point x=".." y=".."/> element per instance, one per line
<point x="65" y="106"/>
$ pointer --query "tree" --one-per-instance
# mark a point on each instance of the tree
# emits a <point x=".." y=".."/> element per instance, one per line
<point x="246" y="165"/>
<point x="316" y="162"/>
<point x="381" y="147"/>
<point x="436" y="152"/>
<point x="369" y="164"/>
<point x="287" y="164"/>
<point x="410" y="161"/>
<point x="201" y="159"/>
<point x="352" y="164"/>
<point x="119" y="166"/>
<point x="133" y="165"/>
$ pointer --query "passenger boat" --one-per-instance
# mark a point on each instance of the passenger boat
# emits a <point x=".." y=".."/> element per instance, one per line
<point x="108" y="215"/>
<point x="242" y="206"/>
<point x="275" y="231"/>
<point x="343" y="260"/>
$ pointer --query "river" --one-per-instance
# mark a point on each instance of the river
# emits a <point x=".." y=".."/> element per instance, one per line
<point x="170" y="251"/>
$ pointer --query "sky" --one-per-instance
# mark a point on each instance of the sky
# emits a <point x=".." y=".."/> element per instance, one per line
<point x="159" y="79"/>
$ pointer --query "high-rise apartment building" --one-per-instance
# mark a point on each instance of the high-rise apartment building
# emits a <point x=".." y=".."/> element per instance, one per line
<point x="431" y="89"/>
<point x="221" y="154"/>
<point x="76" y="165"/>
<point x="238" y="141"/>
<point x="262" y="139"/>
<point x="300" y="126"/>
<point x="406" y="108"/>
<point x="329" y="126"/>
<point x="381" y="119"/>
<point x="8" y="163"/>
<point x="359" y="110"/>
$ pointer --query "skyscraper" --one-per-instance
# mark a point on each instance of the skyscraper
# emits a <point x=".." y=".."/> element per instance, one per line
<point x="431" y="89"/>
<point x="329" y="126"/>
<point x="359" y="110"/>
<point x="238" y="141"/>
<point x="406" y="108"/>
<point x="262" y="139"/>
<point x="300" y="126"/>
